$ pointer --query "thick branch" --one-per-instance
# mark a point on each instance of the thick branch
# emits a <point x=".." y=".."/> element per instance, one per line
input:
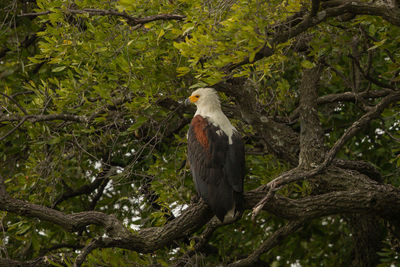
<point x="378" y="199"/>
<point x="391" y="14"/>
<point x="48" y="117"/>
<point x="346" y="96"/>
<point x="311" y="134"/>
<point x="314" y="7"/>
<point x="381" y="200"/>
<point x="363" y="167"/>
<point x="333" y="9"/>
<point x="101" y="12"/>
<point x="38" y="262"/>
<point x="352" y="96"/>
<point x="295" y="175"/>
<point x="71" y="222"/>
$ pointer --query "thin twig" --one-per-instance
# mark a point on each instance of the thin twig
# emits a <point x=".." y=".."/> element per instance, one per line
<point x="94" y="244"/>
<point x="44" y="251"/>
<point x="268" y="244"/>
<point x="15" y="102"/>
<point x="388" y="133"/>
<point x="212" y="225"/>
<point x="103" y="177"/>
<point x="13" y="129"/>
<point x="88" y="153"/>
<point x="369" y="77"/>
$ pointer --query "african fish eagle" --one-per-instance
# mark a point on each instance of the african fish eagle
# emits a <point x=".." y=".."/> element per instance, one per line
<point x="216" y="155"/>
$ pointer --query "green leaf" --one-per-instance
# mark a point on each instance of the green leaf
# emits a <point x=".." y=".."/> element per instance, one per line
<point x="54" y="141"/>
<point x="377" y="44"/>
<point x="182" y="71"/>
<point x="160" y="34"/>
<point x="307" y="64"/>
<point x="58" y="69"/>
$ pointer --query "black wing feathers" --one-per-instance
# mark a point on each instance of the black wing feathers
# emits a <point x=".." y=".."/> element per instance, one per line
<point x="234" y="163"/>
<point x="217" y="168"/>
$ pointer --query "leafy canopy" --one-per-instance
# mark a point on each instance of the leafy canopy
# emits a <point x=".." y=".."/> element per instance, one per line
<point x="93" y="119"/>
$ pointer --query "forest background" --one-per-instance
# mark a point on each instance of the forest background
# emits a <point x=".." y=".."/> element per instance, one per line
<point x="93" y="131"/>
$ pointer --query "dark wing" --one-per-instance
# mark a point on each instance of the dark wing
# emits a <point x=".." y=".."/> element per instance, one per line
<point x="235" y="169"/>
<point x="217" y="167"/>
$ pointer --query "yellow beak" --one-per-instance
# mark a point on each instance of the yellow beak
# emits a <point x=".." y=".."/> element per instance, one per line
<point x="191" y="99"/>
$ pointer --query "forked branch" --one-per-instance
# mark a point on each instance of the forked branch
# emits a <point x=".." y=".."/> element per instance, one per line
<point x="297" y="174"/>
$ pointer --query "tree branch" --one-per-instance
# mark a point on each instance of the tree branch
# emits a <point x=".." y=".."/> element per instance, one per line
<point x="369" y="77"/>
<point x="346" y="96"/>
<point x="363" y="167"/>
<point x="278" y="138"/>
<point x="211" y="226"/>
<point x="99" y="193"/>
<point x="44" y="251"/>
<point x="15" y="102"/>
<point x="38" y="262"/>
<point x="297" y="174"/>
<point x="268" y="244"/>
<point x="40" y="118"/>
<point x="133" y="21"/>
<point x="379" y="199"/>
<point x="392" y="15"/>
<point x="86" y="189"/>
<point x="371" y="199"/>
<point x="13" y="129"/>
<point x="311" y="133"/>
<point x="314" y="7"/>
<point x="352" y="96"/>
<point x="70" y="222"/>
<point x="360" y="123"/>
<point x="332" y="9"/>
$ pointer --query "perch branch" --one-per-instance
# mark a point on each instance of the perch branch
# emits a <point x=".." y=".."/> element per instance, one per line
<point x="383" y="200"/>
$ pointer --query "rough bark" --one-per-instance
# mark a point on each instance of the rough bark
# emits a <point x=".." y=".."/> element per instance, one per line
<point x="311" y="134"/>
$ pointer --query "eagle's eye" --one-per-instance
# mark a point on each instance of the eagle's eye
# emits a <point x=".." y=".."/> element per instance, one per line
<point x="196" y="96"/>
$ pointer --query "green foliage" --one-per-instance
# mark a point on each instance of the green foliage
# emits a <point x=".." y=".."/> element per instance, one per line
<point x="117" y="79"/>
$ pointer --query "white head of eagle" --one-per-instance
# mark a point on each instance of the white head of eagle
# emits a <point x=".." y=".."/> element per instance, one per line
<point x="215" y="154"/>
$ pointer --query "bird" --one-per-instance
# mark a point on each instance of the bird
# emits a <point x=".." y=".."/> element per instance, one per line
<point x="216" y="155"/>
